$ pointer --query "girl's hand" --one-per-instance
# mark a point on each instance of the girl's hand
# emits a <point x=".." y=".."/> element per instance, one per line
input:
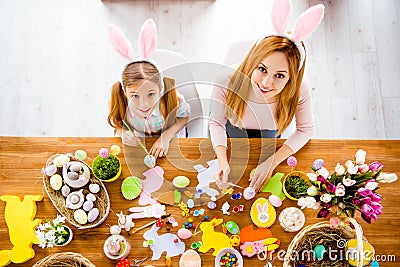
<point x="160" y="147"/>
<point x="130" y="139"/>
<point x="262" y="174"/>
<point x="221" y="176"/>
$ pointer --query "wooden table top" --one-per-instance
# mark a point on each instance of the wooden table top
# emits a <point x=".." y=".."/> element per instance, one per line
<point x="22" y="158"/>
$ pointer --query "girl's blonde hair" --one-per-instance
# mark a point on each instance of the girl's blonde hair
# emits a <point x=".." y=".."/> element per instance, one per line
<point x="137" y="73"/>
<point x="240" y="83"/>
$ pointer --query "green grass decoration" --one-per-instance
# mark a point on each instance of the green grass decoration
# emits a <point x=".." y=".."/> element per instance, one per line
<point x="296" y="186"/>
<point x="106" y="168"/>
<point x="131" y="187"/>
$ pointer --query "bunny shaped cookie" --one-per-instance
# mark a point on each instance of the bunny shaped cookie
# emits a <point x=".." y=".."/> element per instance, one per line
<point x="262" y="213"/>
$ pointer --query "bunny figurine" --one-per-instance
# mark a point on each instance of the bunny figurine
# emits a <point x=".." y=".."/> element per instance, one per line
<point x="160" y="243"/>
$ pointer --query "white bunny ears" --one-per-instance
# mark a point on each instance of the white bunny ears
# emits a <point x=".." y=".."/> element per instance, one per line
<point x="305" y="24"/>
<point x="147" y="43"/>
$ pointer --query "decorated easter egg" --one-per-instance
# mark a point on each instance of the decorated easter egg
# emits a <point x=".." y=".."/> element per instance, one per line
<point x="211" y="205"/>
<point x="60" y="160"/>
<point x="235" y="240"/>
<point x="80" y="154"/>
<point x="232" y="228"/>
<point x="94" y="188"/>
<point x="190" y="203"/>
<point x="190" y="258"/>
<point x="184" y="233"/>
<point x="180" y="181"/>
<point x="80" y="216"/>
<point x="88" y="205"/>
<point x="275" y="201"/>
<point x="351" y="249"/>
<point x="150" y="161"/>
<point x="249" y="193"/>
<point x="262" y="213"/>
<point x="91" y="197"/>
<point x="318" y="164"/>
<point x="319" y="251"/>
<point x="115" y="150"/>
<point x="93" y="214"/>
<point x="65" y="190"/>
<point x="56" y="182"/>
<point x="50" y="170"/>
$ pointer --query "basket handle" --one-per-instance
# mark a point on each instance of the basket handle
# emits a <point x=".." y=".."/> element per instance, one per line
<point x="360" y="245"/>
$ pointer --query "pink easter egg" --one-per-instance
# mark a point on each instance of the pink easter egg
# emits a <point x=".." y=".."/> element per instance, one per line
<point x="275" y="201"/>
<point x="184" y="233"/>
<point x="292" y="161"/>
<point x="103" y="152"/>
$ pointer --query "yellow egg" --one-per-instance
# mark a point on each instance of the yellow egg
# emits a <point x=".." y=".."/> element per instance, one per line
<point x="56" y="182"/>
<point x="115" y="150"/>
<point x="60" y="160"/>
<point x="80" y="216"/>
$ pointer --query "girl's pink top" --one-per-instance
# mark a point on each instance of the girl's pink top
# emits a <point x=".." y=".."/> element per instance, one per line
<point x="260" y="116"/>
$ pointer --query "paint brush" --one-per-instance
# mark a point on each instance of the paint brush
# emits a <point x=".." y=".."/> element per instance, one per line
<point x="140" y="143"/>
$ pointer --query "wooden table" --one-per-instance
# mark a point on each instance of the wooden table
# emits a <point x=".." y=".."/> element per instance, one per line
<point x="22" y="158"/>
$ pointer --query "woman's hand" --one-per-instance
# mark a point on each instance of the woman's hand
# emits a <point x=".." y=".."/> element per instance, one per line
<point x="262" y="174"/>
<point x="160" y="147"/>
<point x="221" y="176"/>
<point x="129" y="138"/>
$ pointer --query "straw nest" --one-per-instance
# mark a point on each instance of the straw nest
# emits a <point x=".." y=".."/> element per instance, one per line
<point x="102" y="202"/>
<point x="333" y="239"/>
<point x="65" y="259"/>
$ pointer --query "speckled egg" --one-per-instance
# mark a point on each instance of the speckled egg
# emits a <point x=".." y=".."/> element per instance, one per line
<point x="65" y="190"/>
<point x="232" y="228"/>
<point x="80" y="216"/>
<point x="88" y="205"/>
<point x="184" y="233"/>
<point x="91" y="197"/>
<point x="60" y="160"/>
<point x="56" y="182"/>
<point x="249" y="193"/>
<point x="73" y="176"/>
<point x="211" y="205"/>
<point x="50" y="170"/>
<point x="94" y="188"/>
<point x="180" y="181"/>
<point x="93" y="214"/>
<point x="150" y="161"/>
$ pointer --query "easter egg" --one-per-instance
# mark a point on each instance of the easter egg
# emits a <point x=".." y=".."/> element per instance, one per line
<point x="80" y="154"/>
<point x="291" y="161"/>
<point x="65" y="190"/>
<point x="275" y="201"/>
<point x="60" y="160"/>
<point x="211" y="205"/>
<point x="88" y="205"/>
<point x="319" y="251"/>
<point x="249" y="193"/>
<point x="190" y="203"/>
<point x="90" y="197"/>
<point x="115" y="150"/>
<point x="50" y="170"/>
<point x="180" y="181"/>
<point x="318" y="164"/>
<point x="56" y="182"/>
<point x="190" y="258"/>
<point x="150" y="161"/>
<point x="103" y="152"/>
<point x="80" y="216"/>
<point x="93" y="214"/>
<point x="292" y="219"/>
<point x="94" y="188"/>
<point x="351" y="247"/>
<point x="262" y="213"/>
<point x="184" y="233"/>
<point x="232" y="228"/>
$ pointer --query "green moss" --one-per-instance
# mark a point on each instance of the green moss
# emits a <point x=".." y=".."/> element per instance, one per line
<point x="106" y="168"/>
<point x="296" y="186"/>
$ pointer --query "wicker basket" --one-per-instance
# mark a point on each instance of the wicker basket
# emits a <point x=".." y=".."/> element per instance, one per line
<point x="66" y="259"/>
<point x="305" y="238"/>
<point x="102" y="202"/>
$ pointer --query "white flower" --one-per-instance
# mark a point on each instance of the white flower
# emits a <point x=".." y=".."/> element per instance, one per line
<point x="363" y="168"/>
<point x="323" y="172"/>
<point x="371" y="185"/>
<point x="308" y="202"/>
<point x="312" y="176"/>
<point x="326" y="198"/>
<point x="360" y="157"/>
<point x="340" y="190"/>
<point x="351" y="168"/>
<point x="59" y="219"/>
<point x="339" y="169"/>
<point x="312" y="191"/>
<point x="387" y="177"/>
<point x="59" y="239"/>
<point x="348" y="181"/>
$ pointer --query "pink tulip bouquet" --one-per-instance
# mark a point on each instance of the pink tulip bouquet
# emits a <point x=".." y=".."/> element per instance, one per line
<point x="350" y="188"/>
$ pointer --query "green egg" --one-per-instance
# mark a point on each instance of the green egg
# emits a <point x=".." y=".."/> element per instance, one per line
<point x="319" y="251"/>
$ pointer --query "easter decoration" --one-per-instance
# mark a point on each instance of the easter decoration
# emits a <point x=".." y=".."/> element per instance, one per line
<point x="64" y="259"/>
<point x="267" y="245"/>
<point x="159" y="243"/>
<point x="274" y="186"/>
<point x="292" y="219"/>
<point x="20" y="219"/>
<point x="212" y="239"/>
<point x="249" y="234"/>
<point x="54" y="233"/>
<point x="262" y="213"/>
<point x="74" y="190"/>
<point x="295" y="185"/>
<point x="106" y="166"/>
<point x="153" y="182"/>
<point x="157" y="211"/>
<point x="228" y="257"/>
<point x="190" y="259"/>
<point x="116" y="247"/>
<point x="131" y="187"/>
<point x="125" y="221"/>
<point x="205" y="177"/>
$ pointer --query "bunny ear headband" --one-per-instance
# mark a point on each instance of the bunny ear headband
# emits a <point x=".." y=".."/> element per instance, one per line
<point x="305" y="24"/>
<point x="147" y="43"/>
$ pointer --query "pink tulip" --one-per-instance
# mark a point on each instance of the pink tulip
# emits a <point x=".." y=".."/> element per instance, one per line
<point x="376" y="197"/>
<point x="364" y="192"/>
<point x="367" y="209"/>
<point x="375" y="166"/>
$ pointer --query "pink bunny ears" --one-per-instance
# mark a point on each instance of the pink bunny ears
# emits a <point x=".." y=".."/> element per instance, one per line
<point x="147" y="41"/>
<point x="305" y="24"/>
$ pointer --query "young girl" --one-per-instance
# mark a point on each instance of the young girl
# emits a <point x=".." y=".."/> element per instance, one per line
<point x="264" y="94"/>
<point x="143" y="100"/>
